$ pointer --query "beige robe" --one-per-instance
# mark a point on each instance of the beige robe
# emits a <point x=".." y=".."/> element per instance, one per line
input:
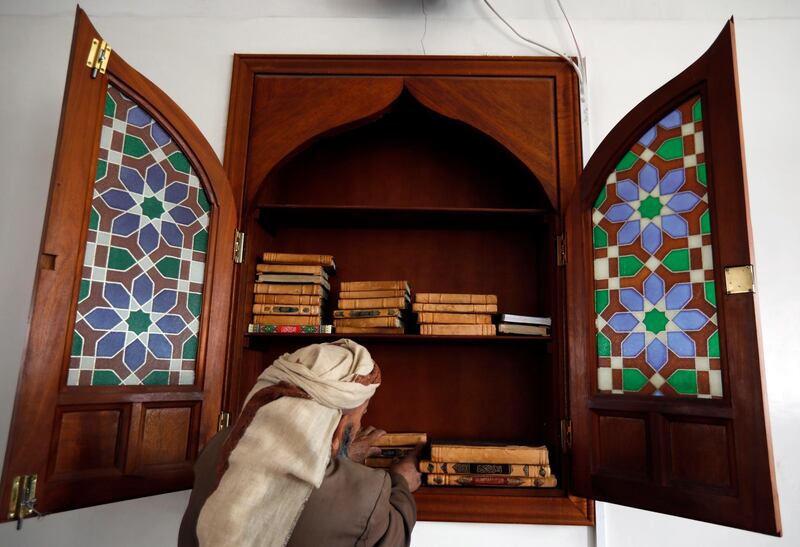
<point x="354" y="506"/>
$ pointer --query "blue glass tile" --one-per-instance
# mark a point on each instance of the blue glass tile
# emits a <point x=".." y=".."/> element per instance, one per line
<point x="156" y="177"/>
<point x="182" y="215"/>
<point x="631" y="299"/>
<point x="165" y="301"/>
<point x="633" y="344"/>
<point x="176" y="192"/>
<point x="656" y="354"/>
<point x="619" y="212"/>
<point x="118" y="199"/>
<point x="627" y="190"/>
<point x="648" y="138"/>
<point x="116" y="295"/>
<point x="138" y="117"/>
<point x="125" y="224"/>
<point x="142" y="288"/>
<point x="628" y="233"/>
<point x="658" y="393"/>
<point x="171" y="233"/>
<point x="110" y="344"/>
<point x="148" y="238"/>
<point x="672" y="181"/>
<point x="675" y="225"/>
<point x="671" y="120"/>
<point x="134" y="355"/>
<point x="651" y="238"/>
<point x="654" y="288"/>
<point x="171" y="324"/>
<point x="103" y="318"/>
<point x="159" y="135"/>
<point x="690" y="319"/>
<point x="680" y="344"/>
<point x="683" y="202"/>
<point x="623" y="322"/>
<point x="648" y="177"/>
<point x="132" y="180"/>
<point x="678" y="296"/>
<point x="159" y="345"/>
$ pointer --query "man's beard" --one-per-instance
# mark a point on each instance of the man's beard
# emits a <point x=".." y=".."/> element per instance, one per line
<point x="347" y="438"/>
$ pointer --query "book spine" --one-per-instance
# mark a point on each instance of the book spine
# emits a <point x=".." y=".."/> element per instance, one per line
<point x="507" y="469"/>
<point x="289" y="329"/>
<point x="456" y="298"/>
<point x="455" y="308"/>
<point x="402" y="439"/>
<point x="530" y="330"/>
<point x="367" y="303"/>
<point x="436" y="479"/>
<point x="369" y="322"/>
<point x="455" y="318"/>
<point x="389" y="312"/>
<point x="374" y="285"/>
<point x="306" y="290"/>
<point x="266" y="309"/>
<point x="370" y="330"/>
<point x="287" y="299"/>
<point x="457" y="330"/>
<point x="473" y="454"/>
<point x="388" y="293"/>
<point x="293" y="258"/>
<point x="291" y="269"/>
<point x="394" y="452"/>
<point x="286" y="319"/>
<point x="292" y="279"/>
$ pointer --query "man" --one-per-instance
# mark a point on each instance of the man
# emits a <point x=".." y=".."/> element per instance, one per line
<point x="282" y="476"/>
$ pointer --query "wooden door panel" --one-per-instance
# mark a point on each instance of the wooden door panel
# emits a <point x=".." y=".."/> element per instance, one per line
<point x="666" y="382"/>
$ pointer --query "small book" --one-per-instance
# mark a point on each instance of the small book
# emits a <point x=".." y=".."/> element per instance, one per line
<point x="294" y="279"/>
<point x="455" y="298"/>
<point x="436" y="479"/>
<point x="525" y="319"/>
<point x="454" y="318"/>
<point x="394" y="451"/>
<point x="369" y="322"/>
<point x="530" y="330"/>
<point x="288" y="299"/>
<point x="455" y="308"/>
<point x="303" y="269"/>
<point x="457" y="330"/>
<point x="294" y="258"/>
<point x="252" y="328"/>
<point x="384" y="312"/>
<point x="280" y="288"/>
<point x="370" y="330"/>
<point x="489" y="453"/>
<point x="286" y="319"/>
<point x="402" y="439"/>
<point x="384" y="293"/>
<point x="374" y="285"/>
<point x="507" y="469"/>
<point x="368" y="303"/>
<point x="282" y="309"/>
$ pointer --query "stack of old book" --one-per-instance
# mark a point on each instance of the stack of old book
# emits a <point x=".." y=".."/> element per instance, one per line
<point x="374" y="307"/>
<point x="394" y="446"/>
<point x="529" y="325"/>
<point x="477" y="464"/>
<point x="455" y="313"/>
<point x="290" y="293"/>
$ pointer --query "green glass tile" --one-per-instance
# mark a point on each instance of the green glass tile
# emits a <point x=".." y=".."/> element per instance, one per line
<point x="134" y="146"/>
<point x="701" y="174"/>
<point x="179" y="162"/>
<point x="200" y="241"/>
<point x="94" y="219"/>
<point x="138" y="322"/>
<point x="633" y="379"/>
<point x="111" y="106"/>
<point x="713" y="344"/>
<point x="603" y="345"/>
<point x="84" y="290"/>
<point x="677" y="260"/>
<point x="629" y="265"/>
<point x="202" y="200"/>
<point x="650" y="207"/>
<point x="77" y="345"/>
<point x="600" y="237"/>
<point x="705" y="223"/>
<point x="152" y="207"/>
<point x="697" y="111"/>
<point x="655" y="321"/>
<point x="105" y="378"/>
<point x="120" y="259"/>
<point x="102" y="167"/>
<point x="190" y="348"/>
<point x="194" y="302"/>
<point x="157" y="378"/>
<point x="169" y="267"/>
<point x="671" y="149"/>
<point x="601" y="197"/>
<point x="684" y="382"/>
<point x="711" y="293"/>
<point x="627" y="161"/>
<point x="600" y="300"/>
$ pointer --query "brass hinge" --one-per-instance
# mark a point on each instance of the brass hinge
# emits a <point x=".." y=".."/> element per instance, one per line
<point x="99" y="54"/>
<point x="238" y="247"/>
<point x="224" y="420"/>
<point x="23" y="498"/>
<point x="566" y="435"/>
<point x="561" y="249"/>
<point x="740" y="279"/>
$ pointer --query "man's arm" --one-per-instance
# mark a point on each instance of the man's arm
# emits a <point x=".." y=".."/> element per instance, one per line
<point x="393" y="517"/>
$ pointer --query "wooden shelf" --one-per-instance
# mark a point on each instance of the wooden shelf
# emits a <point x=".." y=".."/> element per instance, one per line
<point x="403" y="338"/>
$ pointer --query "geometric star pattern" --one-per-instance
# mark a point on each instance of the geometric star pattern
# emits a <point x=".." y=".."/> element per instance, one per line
<point x="654" y="290"/>
<point x="141" y="290"/>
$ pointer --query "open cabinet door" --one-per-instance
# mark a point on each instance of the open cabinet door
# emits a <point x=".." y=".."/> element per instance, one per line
<point x="122" y="376"/>
<point x="669" y="410"/>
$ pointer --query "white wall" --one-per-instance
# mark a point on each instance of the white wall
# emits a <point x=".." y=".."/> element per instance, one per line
<point x="185" y="46"/>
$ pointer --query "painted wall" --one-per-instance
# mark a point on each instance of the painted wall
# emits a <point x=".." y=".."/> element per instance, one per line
<point x="185" y="47"/>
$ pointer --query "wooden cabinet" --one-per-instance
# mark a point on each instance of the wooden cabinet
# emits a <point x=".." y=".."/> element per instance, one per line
<point x="455" y="173"/>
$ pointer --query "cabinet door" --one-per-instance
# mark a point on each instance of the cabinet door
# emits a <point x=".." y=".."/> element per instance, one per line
<point x="122" y="376"/>
<point x="667" y="390"/>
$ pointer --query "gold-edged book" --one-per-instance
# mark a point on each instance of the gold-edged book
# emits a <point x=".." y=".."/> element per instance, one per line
<point x="402" y="439"/>
<point x="370" y="330"/>
<point x="292" y="279"/>
<point x="282" y="288"/>
<point x="454" y="318"/>
<point x="455" y="298"/>
<point x="374" y="285"/>
<point x="283" y="309"/>
<point x="295" y="258"/>
<point x="436" y="479"/>
<point x="369" y="303"/>
<point x="360" y="314"/>
<point x="506" y="469"/>
<point x="489" y="453"/>
<point x="369" y="322"/>
<point x="454" y="308"/>
<point x="304" y="269"/>
<point x="286" y="319"/>
<point x="457" y="330"/>
<point x="386" y="293"/>
<point x="288" y="299"/>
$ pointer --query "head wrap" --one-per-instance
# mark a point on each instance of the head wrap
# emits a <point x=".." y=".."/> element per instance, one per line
<point x="280" y="445"/>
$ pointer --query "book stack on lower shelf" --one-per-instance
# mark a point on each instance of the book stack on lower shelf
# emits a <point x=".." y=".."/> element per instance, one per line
<point x="455" y="314"/>
<point x="372" y="307"/>
<point x="290" y="293"/>
<point x="524" y="324"/>
<point x="393" y="447"/>
<point x="488" y="465"/>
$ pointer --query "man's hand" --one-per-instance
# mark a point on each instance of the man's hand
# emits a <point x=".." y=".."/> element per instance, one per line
<point x="362" y="447"/>
<point x="407" y="468"/>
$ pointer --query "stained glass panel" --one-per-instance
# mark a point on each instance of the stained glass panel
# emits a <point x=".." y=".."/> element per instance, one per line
<point x="654" y="286"/>
<point x="141" y="289"/>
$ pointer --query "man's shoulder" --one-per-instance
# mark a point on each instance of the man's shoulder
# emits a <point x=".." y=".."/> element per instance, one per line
<point x="346" y="472"/>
